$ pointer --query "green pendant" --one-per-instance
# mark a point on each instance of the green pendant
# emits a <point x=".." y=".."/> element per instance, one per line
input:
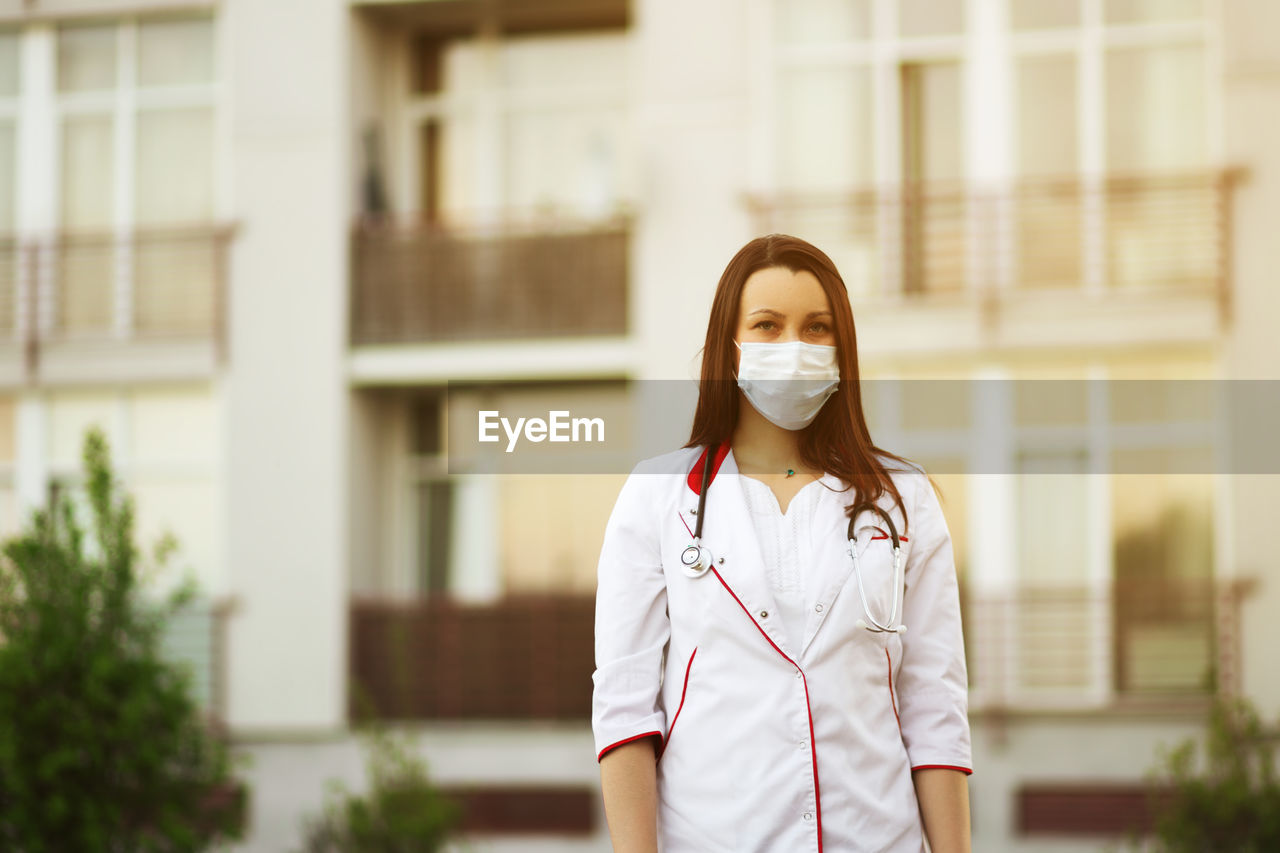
<point x="790" y="472"/>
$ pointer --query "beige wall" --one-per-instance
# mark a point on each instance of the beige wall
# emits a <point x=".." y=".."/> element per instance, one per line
<point x="1251" y="88"/>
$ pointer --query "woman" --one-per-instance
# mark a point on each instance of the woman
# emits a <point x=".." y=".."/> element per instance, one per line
<point x="756" y="684"/>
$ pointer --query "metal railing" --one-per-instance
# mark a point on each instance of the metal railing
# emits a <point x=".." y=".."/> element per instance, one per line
<point x="437" y="659"/>
<point x="1101" y="234"/>
<point x="145" y="284"/>
<point x="1128" y="644"/>
<point x="414" y="282"/>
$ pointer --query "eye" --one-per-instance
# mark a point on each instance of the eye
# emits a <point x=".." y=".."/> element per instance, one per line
<point x="761" y="324"/>
<point x="819" y="327"/>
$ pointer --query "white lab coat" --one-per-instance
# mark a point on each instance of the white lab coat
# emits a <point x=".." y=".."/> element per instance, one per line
<point x="770" y="742"/>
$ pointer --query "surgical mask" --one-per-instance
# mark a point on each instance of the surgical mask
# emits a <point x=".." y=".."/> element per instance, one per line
<point x="789" y="382"/>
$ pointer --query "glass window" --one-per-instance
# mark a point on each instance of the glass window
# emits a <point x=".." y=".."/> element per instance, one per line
<point x="1156" y="401"/>
<point x="935" y="209"/>
<point x="933" y="116"/>
<point x="86" y="57"/>
<point x="1044" y="14"/>
<point x="1049" y="209"/>
<point x="434" y="524"/>
<point x="175" y="166"/>
<point x="1142" y="11"/>
<point x="9" y="64"/>
<point x="825" y="117"/>
<point x="1047" y="115"/>
<point x="1055" y="607"/>
<point x="1051" y="402"/>
<point x="931" y="17"/>
<point x="175" y="51"/>
<point x="8" y="176"/>
<point x="88" y="176"/>
<point x="568" y="160"/>
<point x="1163" y="552"/>
<point x="1156" y="108"/>
<point x="936" y="404"/>
<point x="1052" y="516"/>
<point x="807" y="21"/>
<point x="554" y="63"/>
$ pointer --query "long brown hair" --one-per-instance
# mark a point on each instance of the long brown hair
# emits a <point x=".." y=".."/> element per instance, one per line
<point x="837" y="441"/>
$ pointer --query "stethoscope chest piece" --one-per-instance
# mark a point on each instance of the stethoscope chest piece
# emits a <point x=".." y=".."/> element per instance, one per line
<point x="696" y="560"/>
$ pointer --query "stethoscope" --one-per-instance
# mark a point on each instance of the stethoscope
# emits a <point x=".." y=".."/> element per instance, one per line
<point x="697" y="559"/>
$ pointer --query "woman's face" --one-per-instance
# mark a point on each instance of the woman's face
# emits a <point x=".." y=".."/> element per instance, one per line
<point x="779" y="305"/>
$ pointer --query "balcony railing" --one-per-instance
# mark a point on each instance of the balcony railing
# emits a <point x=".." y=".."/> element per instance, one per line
<point x="435" y="659"/>
<point x="1131" y="643"/>
<point x="1062" y="648"/>
<point x="146" y="284"/>
<point x="1103" y="234"/>
<point x="421" y="283"/>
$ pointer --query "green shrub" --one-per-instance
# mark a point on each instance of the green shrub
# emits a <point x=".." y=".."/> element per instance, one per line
<point x="102" y="747"/>
<point x="1232" y="802"/>
<point x="403" y="812"/>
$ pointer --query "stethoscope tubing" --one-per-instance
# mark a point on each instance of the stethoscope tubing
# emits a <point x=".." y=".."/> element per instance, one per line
<point x="697" y="560"/>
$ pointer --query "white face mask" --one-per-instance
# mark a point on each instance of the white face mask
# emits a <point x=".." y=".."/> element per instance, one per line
<point x="788" y="382"/>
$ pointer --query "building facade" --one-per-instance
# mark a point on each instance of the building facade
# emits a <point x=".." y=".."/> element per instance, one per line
<point x="267" y="245"/>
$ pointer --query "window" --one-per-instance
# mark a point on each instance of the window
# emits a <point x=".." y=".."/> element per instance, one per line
<point x="880" y="122"/>
<point x="512" y="128"/>
<point x="136" y="132"/>
<point x="432" y="496"/>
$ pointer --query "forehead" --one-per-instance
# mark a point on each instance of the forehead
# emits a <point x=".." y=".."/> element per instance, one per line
<point x="783" y="290"/>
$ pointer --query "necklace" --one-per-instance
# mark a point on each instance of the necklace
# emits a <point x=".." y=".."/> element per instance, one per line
<point x="791" y="472"/>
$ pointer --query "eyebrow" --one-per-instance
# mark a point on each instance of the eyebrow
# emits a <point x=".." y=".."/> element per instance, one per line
<point x="773" y="313"/>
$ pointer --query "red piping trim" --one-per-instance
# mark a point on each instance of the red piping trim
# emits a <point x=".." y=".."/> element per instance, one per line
<point x="884" y="535"/>
<point x="813" y="751"/>
<point x="625" y="740"/>
<point x="695" y="476"/>
<point x="671" y="728"/>
<point x="685" y="523"/>
<point x="892" y="700"/>
<point x="753" y="619"/>
<point x="813" y="746"/>
<point x="965" y="770"/>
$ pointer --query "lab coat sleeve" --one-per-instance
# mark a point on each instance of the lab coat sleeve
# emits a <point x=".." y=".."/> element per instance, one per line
<point x="632" y="627"/>
<point x="932" y="682"/>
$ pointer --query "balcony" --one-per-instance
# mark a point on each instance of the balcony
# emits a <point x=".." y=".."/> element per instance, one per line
<point x="1129" y="646"/>
<point x="417" y="283"/>
<point x="517" y="659"/>
<point x="1140" y="645"/>
<point x="1116" y="259"/>
<point x="106" y="306"/>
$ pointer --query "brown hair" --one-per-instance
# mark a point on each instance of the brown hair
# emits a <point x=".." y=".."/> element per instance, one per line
<point x="837" y="441"/>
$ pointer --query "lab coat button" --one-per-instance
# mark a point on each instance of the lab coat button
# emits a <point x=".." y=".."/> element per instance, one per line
<point x="818" y="608"/>
<point x="720" y="560"/>
<point x="764" y="614"/>
<point x="808" y="816"/>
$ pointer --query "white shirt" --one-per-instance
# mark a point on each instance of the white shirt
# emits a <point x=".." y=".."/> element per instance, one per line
<point x="786" y="547"/>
